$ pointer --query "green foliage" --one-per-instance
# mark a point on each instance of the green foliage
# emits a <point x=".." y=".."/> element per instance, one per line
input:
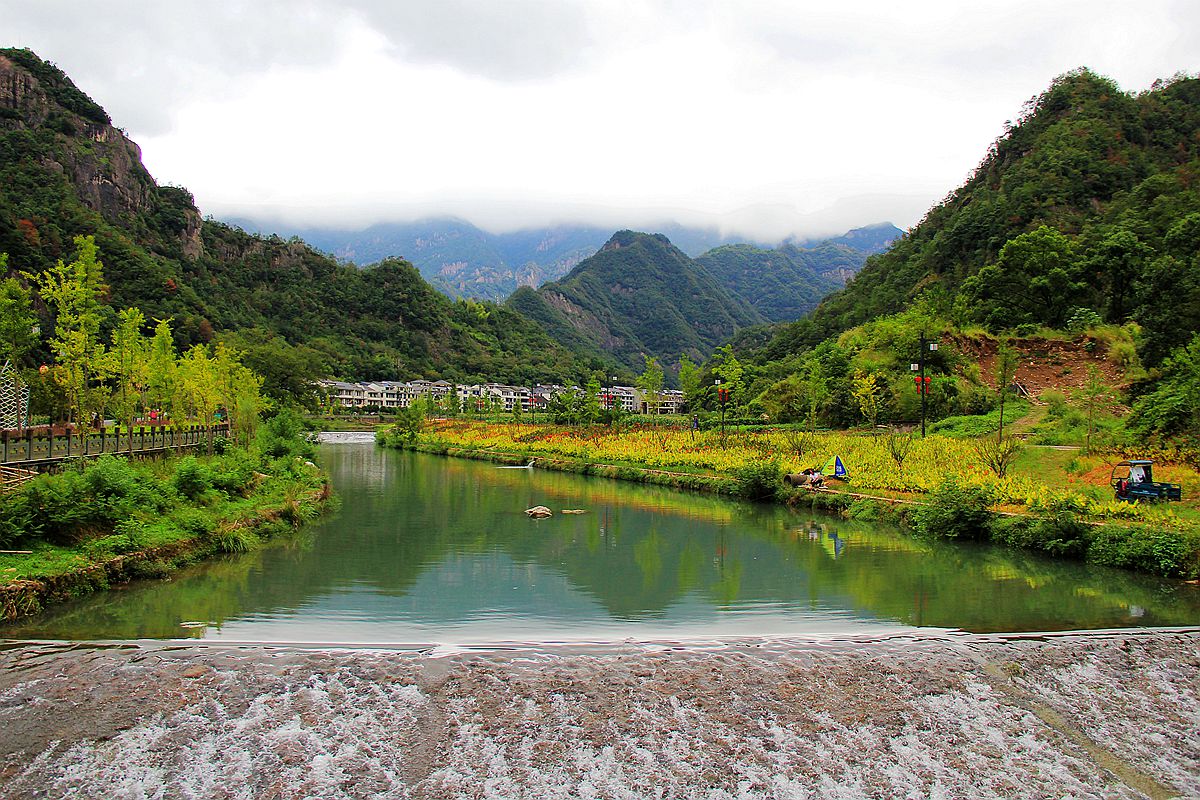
<point x="65" y="508"/>
<point x="284" y="435"/>
<point x="1081" y="319"/>
<point x="974" y="425"/>
<point x="1157" y="550"/>
<point x="192" y="479"/>
<point x="784" y="284"/>
<point x="1174" y="406"/>
<point x="1037" y="278"/>
<point x="235" y="540"/>
<point x="761" y="480"/>
<point x="954" y="511"/>
<point x="1057" y="533"/>
<point x="1088" y="201"/>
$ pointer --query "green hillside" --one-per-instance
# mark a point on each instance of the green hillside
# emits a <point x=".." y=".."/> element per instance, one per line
<point x="1090" y="201"/>
<point x="65" y="171"/>
<point x="639" y="295"/>
<point x="782" y="285"/>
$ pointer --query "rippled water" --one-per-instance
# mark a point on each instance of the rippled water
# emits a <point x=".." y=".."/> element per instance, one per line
<point x="431" y="549"/>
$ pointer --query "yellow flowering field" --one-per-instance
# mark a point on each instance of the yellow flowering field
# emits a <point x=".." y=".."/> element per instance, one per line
<point x="929" y="461"/>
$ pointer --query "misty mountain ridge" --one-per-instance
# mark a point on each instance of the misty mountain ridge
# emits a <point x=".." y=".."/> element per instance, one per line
<point x="463" y="260"/>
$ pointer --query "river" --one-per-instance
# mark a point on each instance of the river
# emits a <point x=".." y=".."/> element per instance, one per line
<point x="426" y="549"/>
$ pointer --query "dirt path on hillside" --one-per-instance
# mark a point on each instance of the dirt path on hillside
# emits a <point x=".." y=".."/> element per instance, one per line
<point x="1085" y="715"/>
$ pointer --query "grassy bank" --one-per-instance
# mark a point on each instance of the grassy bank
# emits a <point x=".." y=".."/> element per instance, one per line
<point x="110" y="520"/>
<point x="1050" y="502"/>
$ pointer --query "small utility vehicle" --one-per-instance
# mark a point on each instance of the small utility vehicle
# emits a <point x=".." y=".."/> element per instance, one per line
<point x="1133" y="480"/>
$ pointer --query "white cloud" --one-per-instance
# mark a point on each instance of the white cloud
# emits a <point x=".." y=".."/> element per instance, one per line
<point x="760" y="115"/>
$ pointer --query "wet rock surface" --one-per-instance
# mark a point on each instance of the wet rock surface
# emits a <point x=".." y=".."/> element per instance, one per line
<point x="1072" y="715"/>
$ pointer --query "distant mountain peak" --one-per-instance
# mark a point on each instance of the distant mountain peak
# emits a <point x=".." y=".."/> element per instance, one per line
<point x="627" y="238"/>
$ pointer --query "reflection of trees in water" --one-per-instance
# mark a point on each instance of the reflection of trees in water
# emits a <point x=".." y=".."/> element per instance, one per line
<point x="635" y="552"/>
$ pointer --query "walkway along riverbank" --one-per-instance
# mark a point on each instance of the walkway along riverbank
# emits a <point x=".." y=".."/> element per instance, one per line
<point x="952" y="512"/>
<point x="113" y="520"/>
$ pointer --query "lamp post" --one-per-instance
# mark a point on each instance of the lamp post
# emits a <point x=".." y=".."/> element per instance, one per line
<point x="921" y="381"/>
<point x="722" y="397"/>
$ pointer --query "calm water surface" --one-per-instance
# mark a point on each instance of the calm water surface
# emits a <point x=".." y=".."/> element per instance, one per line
<point x="430" y="549"/>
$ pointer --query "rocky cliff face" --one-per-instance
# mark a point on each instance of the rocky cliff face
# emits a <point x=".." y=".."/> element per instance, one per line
<point x="99" y="161"/>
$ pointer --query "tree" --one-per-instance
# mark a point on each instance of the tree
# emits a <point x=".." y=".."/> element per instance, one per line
<point x="1037" y="278"/>
<point x="73" y="293"/>
<point x="785" y="400"/>
<point x="689" y="382"/>
<point x="651" y="383"/>
<point x="240" y="392"/>
<point x="1006" y="370"/>
<point x="731" y="372"/>
<point x="200" y="384"/>
<point x="817" y="389"/>
<point x="865" y="390"/>
<point x="162" y="370"/>
<point x="589" y="407"/>
<point x="129" y="359"/>
<point x="1093" y="397"/>
<point x="453" y="407"/>
<point x="18" y="331"/>
<point x="898" y="445"/>
<point x="1120" y="258"/>
<point x="1174" y="406"/>
<point x="998" y="454"/>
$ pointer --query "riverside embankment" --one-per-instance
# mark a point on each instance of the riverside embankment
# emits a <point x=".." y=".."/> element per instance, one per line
<point x="109" y="520"/>
<point x="1109" y="714"/>
<point x="937" y="486"/>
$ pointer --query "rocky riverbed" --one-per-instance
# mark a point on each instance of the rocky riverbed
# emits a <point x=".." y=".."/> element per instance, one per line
<point x="1112" y="715"/>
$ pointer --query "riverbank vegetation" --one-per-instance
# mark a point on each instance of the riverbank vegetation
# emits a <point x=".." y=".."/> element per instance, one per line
<point x="103" y="520"/>
<point x="1054" y="501"/>
<point x="110" y="519"/>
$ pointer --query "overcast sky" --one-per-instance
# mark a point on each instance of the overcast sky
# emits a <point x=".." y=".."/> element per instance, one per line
<point x="765" y="118"/>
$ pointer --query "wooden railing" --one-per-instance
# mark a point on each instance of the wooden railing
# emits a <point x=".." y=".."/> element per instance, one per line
<point x="36" y="448"/>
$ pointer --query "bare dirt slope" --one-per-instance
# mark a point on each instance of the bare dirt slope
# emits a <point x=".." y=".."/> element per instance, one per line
<point x="1045" y="364"/>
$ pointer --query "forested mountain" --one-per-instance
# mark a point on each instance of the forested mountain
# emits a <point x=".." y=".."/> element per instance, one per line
<point x="462" y="260"/>
<point x="640" y="295"/>
<point x="1089" y="204"/>
<point x="785" y="284"/>
<point x="66" y="171"/>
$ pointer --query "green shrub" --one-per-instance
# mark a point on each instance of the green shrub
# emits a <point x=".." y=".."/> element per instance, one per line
<point x="191" y="479"/>
<point x="235" y="540"/>
<point x="233" y="473"/>
<point x="1056" y="402"/>
<point x="1059" y="532"/>
<point x="1157" y="550"/>
<point x="193" y="521"/>
<point x="760" y="480"/>
<point x="954" y="512"/>
<point x="62" y="509"/>
<point x="284" y="435"/>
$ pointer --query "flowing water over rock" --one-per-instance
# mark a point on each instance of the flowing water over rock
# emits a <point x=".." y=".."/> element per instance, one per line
<point x="1100" y="715"/>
